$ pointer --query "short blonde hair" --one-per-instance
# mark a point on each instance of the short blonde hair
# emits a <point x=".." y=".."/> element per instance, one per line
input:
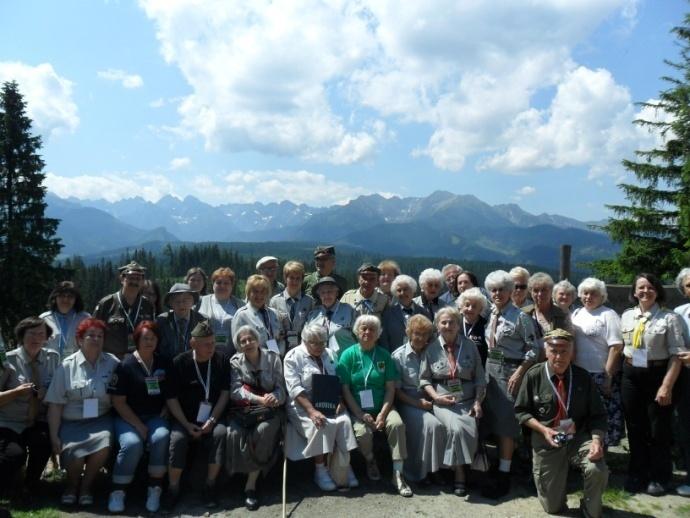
<point x="257" y="281"/>
<point x="293" y="267"/>
<point x="388" y="264"/>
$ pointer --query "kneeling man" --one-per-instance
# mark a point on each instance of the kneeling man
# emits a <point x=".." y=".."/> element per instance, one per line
<point x="561" y="405"/>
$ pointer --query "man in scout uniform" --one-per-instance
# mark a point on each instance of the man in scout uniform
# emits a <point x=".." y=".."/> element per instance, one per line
<point x="366" y="299"/>
<point x="559" y="402"/>
<point x="324" y="260"/>
<point x="268" y="267"/>
<point x="123" y="310"/>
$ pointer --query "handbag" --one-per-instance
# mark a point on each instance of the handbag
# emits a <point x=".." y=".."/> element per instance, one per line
<point x="250" y="416"/>
<point x="481" y="459"/>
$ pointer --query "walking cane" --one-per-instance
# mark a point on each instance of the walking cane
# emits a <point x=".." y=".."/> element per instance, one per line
<point x="284" y="484"/>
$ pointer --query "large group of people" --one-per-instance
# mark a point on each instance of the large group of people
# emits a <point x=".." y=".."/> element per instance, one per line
<point x="210" y="376"/>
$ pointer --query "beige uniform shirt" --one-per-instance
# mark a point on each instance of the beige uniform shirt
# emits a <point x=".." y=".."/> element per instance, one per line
<point x="373" y="305"/>
<point x="663" y="334"/>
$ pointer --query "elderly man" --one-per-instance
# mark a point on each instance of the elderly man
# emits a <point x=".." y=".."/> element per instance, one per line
<point x="366" y="299"/>
<point x="123" y="310"/>
<point x="450" y="274"/>
<point x="268" y="267"/>
<point x="176" y="325"/>
<point x="324" y="260"/>
<point x="199" y="391"/>
<point x="560" y="403"/>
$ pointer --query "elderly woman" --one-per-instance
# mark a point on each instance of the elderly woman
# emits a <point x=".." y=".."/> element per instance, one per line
<point x="396" y="316"/>
<point x="65" y="313"/>
<point x="653" y="337"/>
<point x="598" y="345"/>
<point x="221" y="305"/>
<point x="426" y="436"/>
<point x="176" y="324"/>
<point x="450" y="273"/>
<point x="368" y="375"/>
<point x="564" y="294"/>
<point x="337" y="317"/>
<point x="138" y="392"/>
<point x="546" y="316"/>
<point x="430" y="284"/>
<point x="197" y="396"/>
<point x="683" y="383"/>
<point x="389" y="271"/>
<point x="513" y="348"/>
<point x="292" y="305"/>
<point x="23" y="382"/>
<point x="452" y="375"/>
<point x="79" y="412"/>
<point x="258" y="315"/>
<point x="256" y="385"/>
<point x="322" y="434"/>
<point x="473" y="306"/>
<point x="520" y="294"/>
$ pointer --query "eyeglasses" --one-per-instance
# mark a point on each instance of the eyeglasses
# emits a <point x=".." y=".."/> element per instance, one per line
<point x="521" y="286"/>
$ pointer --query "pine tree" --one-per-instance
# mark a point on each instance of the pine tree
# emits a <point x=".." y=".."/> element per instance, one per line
<point x="654" y="229"/>
<point x="27" y="243"/>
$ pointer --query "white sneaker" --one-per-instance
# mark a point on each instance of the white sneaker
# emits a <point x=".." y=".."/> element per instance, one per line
<point x="351" y="478"/>
<point x="323" y="480"/>
<point x="116" y="502"/>
<point x="153" y="499"/>
<point x="683" y="490"/>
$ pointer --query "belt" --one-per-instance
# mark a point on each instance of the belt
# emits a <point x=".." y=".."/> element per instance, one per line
<point x="512" y="361"/>
<point x="650" y="363"/>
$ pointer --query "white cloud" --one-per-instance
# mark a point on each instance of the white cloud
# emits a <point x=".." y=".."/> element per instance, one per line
<point x="48" y="96"/>
<point x="127" y="80"/>
<point x="111" y="186"/>
<point x="180" y="163"/>
<point x="527" y="190"/>
<point x="157" y="103"/>
<point x="274" y="186"/>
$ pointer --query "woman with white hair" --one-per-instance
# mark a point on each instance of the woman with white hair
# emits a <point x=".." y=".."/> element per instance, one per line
<point x="452" y="375"/>
<point x="396" y="316"/>
<point x="430" y="284"/>
<point x="520" y="294"/>
<point x="683" y="383"/>
<point x="473" y="305"/>
<point x="368" y="375"/>
<point x="598" y="345"/>
<point x="546" y="316"/>
<point x="323" y="434"/>
<point x="513" y="348"/>
<point x="564" y="294"/>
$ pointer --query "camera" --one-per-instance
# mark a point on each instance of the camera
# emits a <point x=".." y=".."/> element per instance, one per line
<point x="560" y="438"/>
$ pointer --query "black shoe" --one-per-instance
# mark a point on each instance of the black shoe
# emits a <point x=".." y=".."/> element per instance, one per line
<point x="251" y="501"/>
<point x="170" y="499"/>
<point x="634" y="485"/>
<point x="500" y="487"/>
<point x="210" y="496"/>
<point x="459" y="489"/>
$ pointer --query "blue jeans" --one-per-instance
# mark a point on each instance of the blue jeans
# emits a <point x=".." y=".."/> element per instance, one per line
<point x="132" y="448"/>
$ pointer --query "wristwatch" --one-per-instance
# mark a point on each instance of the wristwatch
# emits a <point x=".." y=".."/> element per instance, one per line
<point x="212" y="420"/>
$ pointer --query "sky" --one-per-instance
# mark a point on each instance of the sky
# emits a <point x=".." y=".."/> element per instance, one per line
<point x="522" y="101"/>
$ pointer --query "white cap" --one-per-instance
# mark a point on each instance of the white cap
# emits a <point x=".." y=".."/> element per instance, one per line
<point x="264" y="260"/>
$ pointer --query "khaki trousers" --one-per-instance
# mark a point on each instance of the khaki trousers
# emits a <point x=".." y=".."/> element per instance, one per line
<point x="395" y="432"/>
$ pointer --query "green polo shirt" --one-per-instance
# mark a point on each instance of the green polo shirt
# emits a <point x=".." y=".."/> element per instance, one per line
<point x="375" y="366"/>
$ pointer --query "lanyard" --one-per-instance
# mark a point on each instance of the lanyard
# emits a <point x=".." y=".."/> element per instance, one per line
<point x="174" y="325"/>
<point x="371" y="365"/>
<point x="127" y="313"/>
<point x="464" y="327"/>
<point x="143" y="365"/>
<point x="64" y="336"/>
<point x="207" y="385"/>
<point x="96" y="376"/>
<point x="454" y="368"/>
<point x="565" y="406"/>
<point x="266" y="319"/>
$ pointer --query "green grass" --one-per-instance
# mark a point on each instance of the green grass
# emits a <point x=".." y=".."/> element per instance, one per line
<point x="683" y="510"/>
<point x="46" y="512"/>
<point x="616" y="498"/>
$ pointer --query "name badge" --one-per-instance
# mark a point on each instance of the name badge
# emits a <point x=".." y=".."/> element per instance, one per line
<point x="639" y="358"/>
<point x="152" y="386"/>
<point x="454" y="386"/>
<point x="273" y="345"/>
<point x="292" y="339"/>
<point x="90" y="408"/>
<point x="366" y="397"/>
<point x="204" y="412"/>
<point x="221" y="339"/>
<point x="496" y="355"/>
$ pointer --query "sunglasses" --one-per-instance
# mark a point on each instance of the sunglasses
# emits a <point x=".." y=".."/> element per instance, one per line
<point x="521" y="286"/>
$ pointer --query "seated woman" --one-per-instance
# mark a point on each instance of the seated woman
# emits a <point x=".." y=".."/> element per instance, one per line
<point x="198" y="393"/>
<point x="396" y="316"/>
<point x="473" y="305"/>
<point x="138" y="392"/>
<point x="323" y="434"/>
<point x="337" y="317"/>
<point x="258" y="315"/>
<point x="426" y="436"/>
<point x="452" y="375"/>
<point x="257" y="388"/>
<point x="369" y="390"/>
<point x="23" y="384"/>
<point x="79" y="413"/>
<point x="221" y="305"/>
<point x="65" y="313"/>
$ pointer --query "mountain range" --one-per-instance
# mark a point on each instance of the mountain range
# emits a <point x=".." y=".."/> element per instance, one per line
<point x="441" y="224"/>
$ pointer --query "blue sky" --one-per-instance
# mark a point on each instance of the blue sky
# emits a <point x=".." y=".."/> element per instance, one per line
<point x="319" y="102"/>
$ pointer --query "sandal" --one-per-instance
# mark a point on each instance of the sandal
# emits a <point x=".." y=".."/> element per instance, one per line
<point x="401" y="485"/>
